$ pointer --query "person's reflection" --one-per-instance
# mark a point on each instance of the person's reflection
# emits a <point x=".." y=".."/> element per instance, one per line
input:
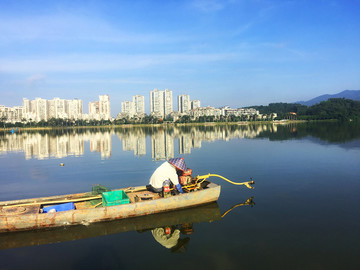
<point x="169" y="236"/>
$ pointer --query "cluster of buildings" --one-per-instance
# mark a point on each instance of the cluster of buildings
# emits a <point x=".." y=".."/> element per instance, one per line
<point x="163" y="142"/>
<point x="161" y="106"/>
<point x="134" y="108"/>
<point x="43" y="109"/>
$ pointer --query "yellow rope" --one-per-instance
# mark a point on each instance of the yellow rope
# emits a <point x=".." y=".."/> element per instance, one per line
<point x="247" y="184"/>
<point x="248" y="202"/>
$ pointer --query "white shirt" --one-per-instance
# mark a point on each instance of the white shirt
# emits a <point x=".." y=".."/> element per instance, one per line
<point x="167" y="241"/>
<point x="165" y="171"/>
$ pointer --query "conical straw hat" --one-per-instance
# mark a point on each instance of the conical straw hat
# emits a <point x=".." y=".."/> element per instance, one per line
<point x="179" y="163"/>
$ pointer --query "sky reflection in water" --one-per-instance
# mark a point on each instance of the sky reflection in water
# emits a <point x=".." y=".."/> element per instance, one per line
<point x="307" y="180"/>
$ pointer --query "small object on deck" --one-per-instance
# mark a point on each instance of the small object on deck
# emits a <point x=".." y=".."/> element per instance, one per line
<point x="99" y="189"/>
<point x="188" y="172"/>
<point x="146" y="196"/>
<point x="59" y="207"/>
<point x="185" y="180"/>
<point x="166" y="189"/>
<point x="115" y="197"/>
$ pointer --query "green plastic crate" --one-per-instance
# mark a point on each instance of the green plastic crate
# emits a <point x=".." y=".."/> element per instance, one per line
<point x="116" y="197"/>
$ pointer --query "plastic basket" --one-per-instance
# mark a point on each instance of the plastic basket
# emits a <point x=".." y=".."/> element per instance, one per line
<point x="116" y="197"/>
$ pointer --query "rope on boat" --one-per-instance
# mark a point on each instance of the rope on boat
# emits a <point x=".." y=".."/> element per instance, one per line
<point x="248" y="184"/>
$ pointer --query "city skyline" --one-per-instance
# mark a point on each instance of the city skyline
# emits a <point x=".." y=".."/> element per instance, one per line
<point x="235" y="53"/>
<point x="161" y="106"/>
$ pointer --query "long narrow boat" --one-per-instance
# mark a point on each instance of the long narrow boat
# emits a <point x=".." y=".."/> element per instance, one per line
<point x="27" y="214"/>
<point x="189" y="216"/>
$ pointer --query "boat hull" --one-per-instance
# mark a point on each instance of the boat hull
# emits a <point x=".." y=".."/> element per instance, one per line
<point x="205" y="213"/>
<point x="31" y="221"/>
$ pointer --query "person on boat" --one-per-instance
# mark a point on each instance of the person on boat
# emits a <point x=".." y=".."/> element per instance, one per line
<point x="168" y="171"/>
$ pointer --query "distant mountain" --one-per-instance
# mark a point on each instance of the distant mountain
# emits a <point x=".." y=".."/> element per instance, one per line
<point x="348" y="94"/>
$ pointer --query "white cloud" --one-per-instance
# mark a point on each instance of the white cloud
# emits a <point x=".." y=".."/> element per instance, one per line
<point x="35" y="79"/>
<point x="104" y="62"/>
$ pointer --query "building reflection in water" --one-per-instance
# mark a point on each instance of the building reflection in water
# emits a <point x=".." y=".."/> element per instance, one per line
<point x="62" y="143"/>
<point x="44" y="145"/>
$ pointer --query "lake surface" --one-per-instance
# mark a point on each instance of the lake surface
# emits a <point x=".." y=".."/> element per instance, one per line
<point x="305" y="213"/>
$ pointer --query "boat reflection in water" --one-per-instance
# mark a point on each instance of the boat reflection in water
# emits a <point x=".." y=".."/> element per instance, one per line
<point x="167" y="228"/>
<point x="170" y="236"/>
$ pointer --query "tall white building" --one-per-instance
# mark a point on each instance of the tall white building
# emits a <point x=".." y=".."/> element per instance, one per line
<point x="168" y="106"/>
<point x="57" y="108"/>
<point x="157" y="102"/>
<point x="94" y="107"/>
<point x="100" y="110"/>
<point x="104" y="107"/>
<point x="74" y="108"/>
<point x="139" y="104"/>
<point x="195" y="104"/>
<point x="41" y="109"/>
<point x="127" y="107"/>
<point x="26" y="106"/>
<point x="184" y="104"/>
<point x="161" y="102"/>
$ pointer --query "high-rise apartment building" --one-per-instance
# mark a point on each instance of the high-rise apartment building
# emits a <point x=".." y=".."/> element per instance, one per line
<point x="100" y="109"/>
<point x="184" y="104"/>
<point x="94" y="107"/>
<point x="157" y="102"/>
<point x="73" y="108"/>
<point x="41" y="109"/>
<point x="168" y="106"/>
<point x="161" y="102"/>
<point x="195" y="104"/>
<point x="127" y="107"/>
<point x="57" y="108"/>
<point x="104" y="107"/>
<point x="139" y="104"/>
<point x="26" y="105"/>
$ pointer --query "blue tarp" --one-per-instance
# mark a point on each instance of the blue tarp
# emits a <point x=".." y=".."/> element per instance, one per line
<point x="60" y="207"/>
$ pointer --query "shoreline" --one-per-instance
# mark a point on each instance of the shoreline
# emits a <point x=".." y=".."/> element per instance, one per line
<point x="243" y="123"/>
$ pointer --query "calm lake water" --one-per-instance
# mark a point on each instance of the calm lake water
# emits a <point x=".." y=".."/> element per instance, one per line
<point x="305" y="213"/>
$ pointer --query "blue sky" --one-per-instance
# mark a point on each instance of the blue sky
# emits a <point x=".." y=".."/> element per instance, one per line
<point x="230" y="52"/>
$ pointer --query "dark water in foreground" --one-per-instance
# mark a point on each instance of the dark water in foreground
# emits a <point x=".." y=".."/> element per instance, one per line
<point x="306" y="213"/>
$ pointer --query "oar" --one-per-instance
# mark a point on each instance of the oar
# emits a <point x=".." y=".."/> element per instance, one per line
<point x="128" y="190"/>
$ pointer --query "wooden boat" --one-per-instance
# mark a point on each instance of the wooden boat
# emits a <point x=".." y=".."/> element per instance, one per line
<point x="204" y="213"/>
<point x="27" y="214"/>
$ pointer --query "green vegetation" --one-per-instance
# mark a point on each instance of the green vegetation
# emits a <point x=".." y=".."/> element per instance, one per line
<point x="334" y="108"/>
<point x="282" y="109"/>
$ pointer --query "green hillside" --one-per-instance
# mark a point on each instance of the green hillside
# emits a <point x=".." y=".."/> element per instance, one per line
<point x="333" y="108"/>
